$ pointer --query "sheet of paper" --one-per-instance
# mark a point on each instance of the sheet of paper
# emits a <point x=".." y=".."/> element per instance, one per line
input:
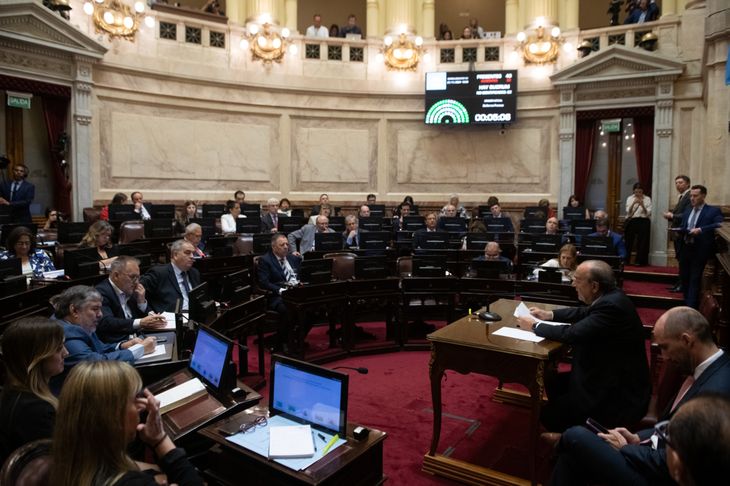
<point x="291" y="441"/>
<point x="522" y="311"/>
<point x="517" y="334"/>
<point x="159" y="351"/>
<point x="54" y="273"/>
<point x="554" y="323"/>
<point x="257" y="441"/>
<point x="171" y="322"/>
<point x="180" y="392"/>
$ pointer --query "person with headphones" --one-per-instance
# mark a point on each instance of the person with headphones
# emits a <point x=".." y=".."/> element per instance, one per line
<point x="18" y="193"/>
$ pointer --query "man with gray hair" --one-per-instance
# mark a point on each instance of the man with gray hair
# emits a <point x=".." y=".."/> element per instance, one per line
<point x="306" y="235"/>
<point x="351" y="235"/>
<point x="609" y="380"/>
<point x="78" y="309"/>
<point x="270" y="219"/>
<point x="194" y="236"/>
<point x="168" y="285"/>
<point x="124" y="305"/>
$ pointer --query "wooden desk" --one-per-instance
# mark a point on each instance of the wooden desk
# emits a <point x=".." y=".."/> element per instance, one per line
<point x="354" y="463"/>
<point x="468" y="346"/>
<point x="190" y="417"/>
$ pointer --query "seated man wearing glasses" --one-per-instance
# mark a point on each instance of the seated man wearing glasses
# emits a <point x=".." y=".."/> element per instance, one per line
<point x="621" y="457"/>
<point x="124" y="306"/>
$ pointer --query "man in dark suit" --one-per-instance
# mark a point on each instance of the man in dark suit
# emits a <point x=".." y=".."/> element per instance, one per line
<point x="493" y="253"/>
<point x="124" y="306"/>
<point x="270" y="219"/>
<point x="141" y="208"/>
<point x="405" y="210"/>
<point x="603" y="229"/>
<point x="167" y="284"/>
<point x="420" y="236"/>
<point x="620" y="457"/>
<point x="681" y="183"/>
<point x="609" y="380"/>
<point x="351" y="235"/>
<point x="698" y="230"/>
<point x="18" y="194"/>
<point x="276" y="271"/>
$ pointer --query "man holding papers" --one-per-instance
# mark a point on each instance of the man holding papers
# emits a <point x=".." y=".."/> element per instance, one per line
<point x="124" y="307"/>
<point x="609" y="379"/>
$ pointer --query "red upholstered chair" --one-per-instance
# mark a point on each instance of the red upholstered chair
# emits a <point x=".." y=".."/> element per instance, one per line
<point x="130" y="231"/>
<point x="405" y="266"/>
<point x="343" y="265"/>
<point x="29" y="465"/>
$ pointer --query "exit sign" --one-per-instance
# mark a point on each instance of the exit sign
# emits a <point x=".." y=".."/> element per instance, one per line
<point x="19" y="100"/>
<point x="610" y="126"/>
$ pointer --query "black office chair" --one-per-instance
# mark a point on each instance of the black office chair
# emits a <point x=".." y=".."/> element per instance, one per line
<point x="29" y="465"/>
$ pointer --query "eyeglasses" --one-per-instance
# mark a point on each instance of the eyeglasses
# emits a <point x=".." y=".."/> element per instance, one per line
<point x="133" y="278"/>
<point x="250" y="426"/>
<point x="661" y="429"/>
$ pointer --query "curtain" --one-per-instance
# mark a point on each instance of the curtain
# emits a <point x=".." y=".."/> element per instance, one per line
<point x="55" y="111"/>
<point x="644" y="146"/>
<point x="584" y="140"/>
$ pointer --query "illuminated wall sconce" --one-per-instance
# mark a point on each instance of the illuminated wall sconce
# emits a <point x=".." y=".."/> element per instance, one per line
<point x="648" y="41"/>
<point x="402" y="53"/>
<point x="266" y="41"/>
<point x="117" y="18"/>
<point x="585" y="48"/>
<point x="539" y="48"/>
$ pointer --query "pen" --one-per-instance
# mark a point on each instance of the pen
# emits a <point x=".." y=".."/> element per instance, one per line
<point x="315" y="442"/>
<point x="324" y="439"/>
<point x="329" y="445"/>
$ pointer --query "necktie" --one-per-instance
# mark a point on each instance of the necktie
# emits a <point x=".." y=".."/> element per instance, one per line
<point x="693" y="219"/>
<point x="186" y="284"/>
<point x="686" y="385"/>
<point x="13" y="188"/>
<point x="285" y="267"/>
<point x="274" y="220"/>
<point x="125" y="306"/>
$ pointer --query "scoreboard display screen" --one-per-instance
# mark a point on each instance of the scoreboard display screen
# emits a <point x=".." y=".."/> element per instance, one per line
<point x="471" y="98"/>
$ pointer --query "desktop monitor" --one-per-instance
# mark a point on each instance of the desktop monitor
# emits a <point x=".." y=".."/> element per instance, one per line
<point x="535" y="212"/>
<point x="597" y="245"/>
<point x="81" y="262"/>
<point x="484" y="211"/>
<point x="261" y="243"/>
<point x="498" y="225"/>
<point x="371" y="224"/>
<point x="289" y="224"/>
<point x="210" y="358"/>
<point x="569" y="212"/>
<point x="12" y="280"/>
<point x="220" y="246"/>
<point x="428" y="266"/>
<point x="235" y="287"/>
<point x="316" y="271"/>
<point x="549" y="275"/>
<point x="308" y="393"/>
<point x="71" y="232"/>
<point x="582" y="226"/>
<point x="337" y="223"/>
<point x="377" y="210"/>
<point x="435" y="240"/>
<point x="207" y="225"/>
<point x="413" y="223"/>
<point x="477" y="241"/>
<point x="200" y="305"/>
<point x="163" y="211"/>
<point x="328" y="241"/>
<point x="532" y="226"/>
<point x="490" y="268"/>
<point x="251" y="210"/>
<point x="546" y="243"/>
<point x="371" y="267"/>
<point x="157" y="228"/>
<point x="8" y="228"/>
<point x="452" y="224"/>
<point x="140" y="250"/>
<point x="249" y="225"/>
<point x="5" y="214"/>
<point x="374" y="240"/>
<point x="12" y="267"/>
<point x="213" y="210"/>
<point x="122" y="212"/>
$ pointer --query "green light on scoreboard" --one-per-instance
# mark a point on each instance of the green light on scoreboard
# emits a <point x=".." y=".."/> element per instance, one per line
<point x="447" y="111"/>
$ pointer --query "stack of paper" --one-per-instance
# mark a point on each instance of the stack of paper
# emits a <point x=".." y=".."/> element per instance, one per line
<point x="291" y="441"/>
<point x="181" y="394"/>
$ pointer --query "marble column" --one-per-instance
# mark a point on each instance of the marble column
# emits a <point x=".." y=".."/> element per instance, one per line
<point x="290" y="14"/>
<point x="669" y="7"/>
<point x="400" y="14"/>
<point x="511" y="17"/>
<point x="429" y="19"/>
<point x="257" y="8"/>
<point x="80" y="160"/>
<point x="372" y="15"/>
<point x="569" y="14"/>
<point x="541" y="8"/>
<point x="236" y="11"/>
<point x="566" y="147"/>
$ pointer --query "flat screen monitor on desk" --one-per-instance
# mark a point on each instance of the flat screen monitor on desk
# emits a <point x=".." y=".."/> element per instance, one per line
<point x="435" y="240"/>
<point x="374" y="240"/>
<point x="371" y="224"/>
<point x="235" y="287"/>
<point x="546" y="243"/>
<point x="201" y="306"/>
<point x="371" y="267"/>
<point x="251" y="210"/>
<point x="207" y="225"/>
<point x="210" y="358"/>
<point x="81" y="262"/>
<point x="122" y="212"/>
<point x="248" y="225"/>
<point x="490" y="268"/>
<point x="213" y="210"/>
<point x="71" y="232"/>
<point x="569" y="212"/>
<point x="163" y="211"/>
<point x="535" y="212"/>
<point x="8" y="228"/>
<point x="377" y="210"/>
<point x="337" y="223"/>
<point x="5" y="216"/>
<point x="550" y="275"/>
<point x="328" y="241"/>
<point x="289" y="224"/>
<point x="597" y="245"/>
<point x="453" y="224"/>
<point x="309" y="394"/>
<point x="318" y="270"/>
<point x="428" y="266"/>
<point x="158" y="227"/>
<point x="12" y="280"/>
<point x="582" y="226"/>
<point x="477" y="241"/>
<point x="498" y="225"/>
<point x="220" y="245"/>
<point x="532" y="226"/>
<point x="413" y="223"/>
<point x="261" y="243"/>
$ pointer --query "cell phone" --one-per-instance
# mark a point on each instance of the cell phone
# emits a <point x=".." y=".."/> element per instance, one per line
<point x="595" y="426"/>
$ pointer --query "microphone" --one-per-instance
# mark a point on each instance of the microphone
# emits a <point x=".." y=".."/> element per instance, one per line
<point x="361" y="370"/>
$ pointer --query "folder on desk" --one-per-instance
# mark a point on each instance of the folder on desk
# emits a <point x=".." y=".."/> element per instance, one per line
<point x="291" y="441"/>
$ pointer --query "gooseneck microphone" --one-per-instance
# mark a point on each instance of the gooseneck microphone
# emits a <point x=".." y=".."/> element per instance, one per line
<point x="361" y="370"/>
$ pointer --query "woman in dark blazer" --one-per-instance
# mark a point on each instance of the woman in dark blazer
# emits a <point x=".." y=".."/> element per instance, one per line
<point x="99" y="236"/>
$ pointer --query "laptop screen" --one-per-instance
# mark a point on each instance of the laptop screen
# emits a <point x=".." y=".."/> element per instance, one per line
<point x="210" y="355"/>
<point x="309" y="393"/>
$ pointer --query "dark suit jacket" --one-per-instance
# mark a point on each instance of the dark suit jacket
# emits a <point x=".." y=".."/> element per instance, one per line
<point x="162" y="290"/>
<point x="652" y="13"/>
<point x="269" y="273"/>
<point x="267" y="223"/>
<point x="708" y="220"/>
<point x="113" y="326"/>
<point x="678" y="212"/>
<point x="20" y="205"/>
<point x="610" y="374"/>
<point x="618" y="242"/>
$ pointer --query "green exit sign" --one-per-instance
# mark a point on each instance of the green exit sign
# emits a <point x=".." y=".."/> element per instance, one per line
<point x="610" y="126"/>
<point x="19" y="100"/>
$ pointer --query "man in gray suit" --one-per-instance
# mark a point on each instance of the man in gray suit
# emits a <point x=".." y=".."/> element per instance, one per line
<point x="682" y="184"/>
<point x="306" y="235"/>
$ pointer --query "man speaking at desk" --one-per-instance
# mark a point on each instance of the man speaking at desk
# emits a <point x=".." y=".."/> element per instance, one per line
<point x="609" y="380"/>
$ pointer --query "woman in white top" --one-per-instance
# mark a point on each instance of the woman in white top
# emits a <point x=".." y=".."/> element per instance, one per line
<point x="638" y="225"/>
<point x="284" y="207"/>
<point x="567" y="261"/>
<point x="228" y="220"/>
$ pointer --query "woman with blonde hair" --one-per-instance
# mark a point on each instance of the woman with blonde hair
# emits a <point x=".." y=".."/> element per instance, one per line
<point x="99" y="236"/>
<point x="33" y="352"/>
<point x="567" y="261"/>
<point x="98" y="416"/>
